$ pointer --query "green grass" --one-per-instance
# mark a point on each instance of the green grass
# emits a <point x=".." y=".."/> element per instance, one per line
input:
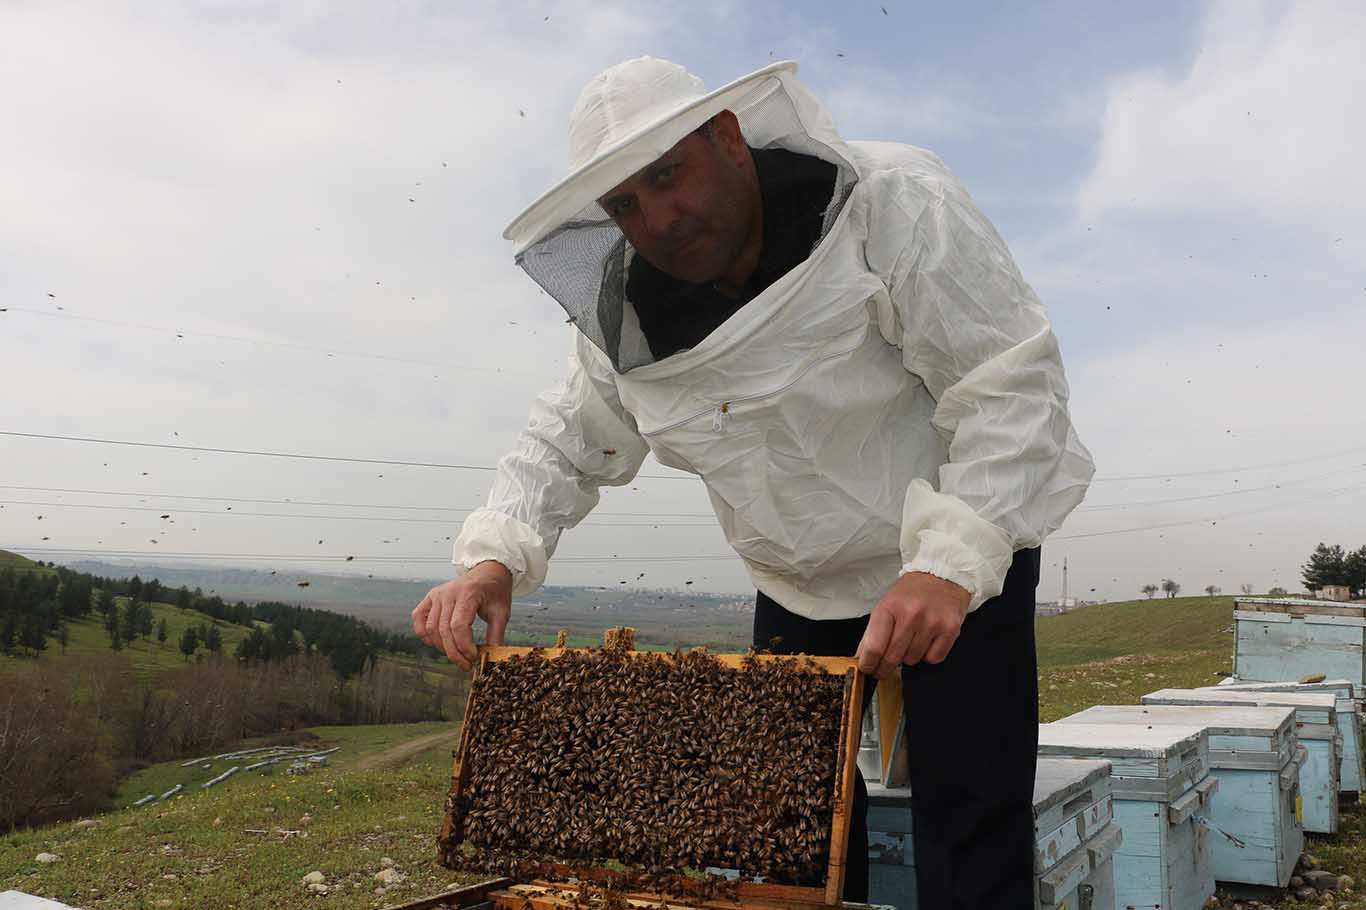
<point x="355" y="742"/>
<point x="88" y="637"/>
<point x="203" y="849"/>
<point x="10" y="560"/>
<point x="1161" y="625"/>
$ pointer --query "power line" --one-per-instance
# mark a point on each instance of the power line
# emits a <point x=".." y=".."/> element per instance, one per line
<point x="1106" y="507"/>
<point x="296" y="455"/>
<point x="381" y="560"/>
<point x="386" y="518"/>
<point x="286" y="345"/>
<point x="306" y="502"/>
<point x="1215" y="518"/>
<point x="678" y="476"/>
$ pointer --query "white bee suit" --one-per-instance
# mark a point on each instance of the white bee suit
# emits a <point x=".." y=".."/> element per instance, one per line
<point x="895" y="403"/>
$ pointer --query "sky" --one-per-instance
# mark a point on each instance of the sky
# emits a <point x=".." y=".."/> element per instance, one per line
<point x="277" y="228"/>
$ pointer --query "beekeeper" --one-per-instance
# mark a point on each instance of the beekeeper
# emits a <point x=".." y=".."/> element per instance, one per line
<point x="837" y="342"/>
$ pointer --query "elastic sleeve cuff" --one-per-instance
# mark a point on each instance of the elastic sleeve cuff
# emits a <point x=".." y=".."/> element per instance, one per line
<point x="493" y="535"/>
<point x="942" y="536"/>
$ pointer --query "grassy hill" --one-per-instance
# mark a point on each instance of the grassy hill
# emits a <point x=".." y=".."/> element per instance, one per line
<point x="10" y="560"/>
<point x="232" y="846"/>
<point x="88" y="637"/>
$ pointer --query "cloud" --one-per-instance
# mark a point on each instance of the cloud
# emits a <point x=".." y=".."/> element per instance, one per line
<point x="1261" y="124"/>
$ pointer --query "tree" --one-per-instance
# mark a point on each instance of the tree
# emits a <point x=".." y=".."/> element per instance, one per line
<point x="115" y="635"/>
<point x="146" y="619"/>
<point x="1246" y="589"/>
<point x="1170" y="588"/>
<point x="106" y="602"/>
<point x="1277" y="591"/>
<point x="213" y="640"/>
<point x="189" y="641"/>
<point x="1355" y="570"/>
<point x="128" y="623"/>
<point x="162" y="632"/>
<point x="1150" y="589"/>
<point x="1326" y="566"/>
<point x="1212" y="590"/>
<point x="64" y="636"/>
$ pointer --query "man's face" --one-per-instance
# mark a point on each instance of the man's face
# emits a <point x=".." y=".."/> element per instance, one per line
<point x="691" y="212"/>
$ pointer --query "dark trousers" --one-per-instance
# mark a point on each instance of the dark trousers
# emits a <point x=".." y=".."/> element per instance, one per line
<point x="972" y="725"/>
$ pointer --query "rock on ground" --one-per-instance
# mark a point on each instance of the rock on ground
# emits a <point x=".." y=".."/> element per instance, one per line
<point x="314" y="878"/>
<point x="47" y="857"/>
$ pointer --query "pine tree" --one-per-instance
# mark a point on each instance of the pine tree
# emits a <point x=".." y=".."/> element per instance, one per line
<point x="1326" y="566"/>
<point x="189" y="641"/>
<point x="214" y="640"/>
<point x="162" y="632"/>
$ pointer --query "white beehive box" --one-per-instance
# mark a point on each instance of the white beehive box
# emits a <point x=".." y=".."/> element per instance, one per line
<point x="1160" y="782"/>
<point x="1287" y="638"/>
<point x="1254" y="753"/>
<point x="1349" y="711"/>
<point x="1075" y="838"/>
<point x="1316" y="727"/>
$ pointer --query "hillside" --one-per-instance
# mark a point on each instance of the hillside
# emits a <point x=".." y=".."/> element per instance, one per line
<point x="14" y="561"/>
<point x="88" y="637"/>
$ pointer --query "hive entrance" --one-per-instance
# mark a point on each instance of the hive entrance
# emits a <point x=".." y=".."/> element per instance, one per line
<point x="643" y="770"/>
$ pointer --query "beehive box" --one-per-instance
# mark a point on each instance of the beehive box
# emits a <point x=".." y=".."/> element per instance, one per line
<point x="1255" y="755"/>
<point x="1160" y="780"/>
<point x="642" y="768"/>
<point x="1287" y="638"/>
<point x="1316" y="727"/>
<point x="1075" y="839"/>
<point x="1348" y="707"/>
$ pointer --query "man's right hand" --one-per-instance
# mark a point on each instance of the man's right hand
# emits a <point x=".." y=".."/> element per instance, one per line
<point x="445" y="618"/>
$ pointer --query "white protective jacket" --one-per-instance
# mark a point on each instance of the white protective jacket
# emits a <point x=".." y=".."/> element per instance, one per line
<point x="896" y="403"/>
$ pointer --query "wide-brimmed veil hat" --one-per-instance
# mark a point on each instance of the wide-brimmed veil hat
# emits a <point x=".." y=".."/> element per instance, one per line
<point x="626" y="118"/>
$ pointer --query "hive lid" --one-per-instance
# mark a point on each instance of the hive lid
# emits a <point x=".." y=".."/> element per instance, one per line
<point x="1236" y="732"/>
<point x="1310" y="707"/>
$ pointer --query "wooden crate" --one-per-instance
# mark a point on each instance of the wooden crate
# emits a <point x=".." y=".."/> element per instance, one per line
<point x="1288" y="638"/>
<point x="1316" y="728"/>
<point x="1349" y="709"/>
<point x="791" y="897"/>
<point x="1075" y="838"/>
<point x="1255" y="755"/>
<point x="1160" y="781"/>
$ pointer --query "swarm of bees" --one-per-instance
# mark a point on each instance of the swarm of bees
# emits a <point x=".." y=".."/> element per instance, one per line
<point x="660" y="765"/>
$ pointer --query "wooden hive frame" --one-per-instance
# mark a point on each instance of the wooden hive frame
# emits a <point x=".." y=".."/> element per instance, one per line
<point x="754" y="894"/>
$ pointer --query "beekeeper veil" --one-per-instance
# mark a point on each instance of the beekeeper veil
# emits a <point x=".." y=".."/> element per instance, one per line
<point x="626" y="118"/>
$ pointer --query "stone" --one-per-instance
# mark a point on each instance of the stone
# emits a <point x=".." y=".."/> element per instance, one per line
<point x="305" y="819"/>
<point x="389" y="876"/>
<point x="47" y="857"/>
<point x="1306" y="893"/>
<point x="1309" y="861"/>
<point x="170" y="876"/>
<point x="314" y="878"/>
<point x="1346" y="883"/>
<point x="218" y="821"/>
<point x="386" y="863"/>
<point x="163" y="902"/>
<point x="1321" y="880"/>
<point x="318" y="888"/>
<point x="1296" y="881"/>
<point x="87" y="823"/>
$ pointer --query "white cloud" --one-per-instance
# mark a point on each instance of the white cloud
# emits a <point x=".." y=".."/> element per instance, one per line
<point x="1263" y="123"/>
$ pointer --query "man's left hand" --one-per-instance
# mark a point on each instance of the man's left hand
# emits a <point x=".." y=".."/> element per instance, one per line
<point x="917" y="619"/>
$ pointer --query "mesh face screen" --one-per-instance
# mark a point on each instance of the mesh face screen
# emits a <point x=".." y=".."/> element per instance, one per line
<point x="583" y="263"/>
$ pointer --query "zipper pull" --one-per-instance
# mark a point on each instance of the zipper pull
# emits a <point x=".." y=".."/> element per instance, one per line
<point x="718" y="419"/>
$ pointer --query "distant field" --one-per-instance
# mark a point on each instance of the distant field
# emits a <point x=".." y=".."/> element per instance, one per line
<point x="10" y="560"/>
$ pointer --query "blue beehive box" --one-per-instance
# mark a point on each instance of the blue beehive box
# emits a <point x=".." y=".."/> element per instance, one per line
<point x="1160" y="781"/>
<point x="1255" y="755"/>
<point x="1316" y="727"/>
<point x="1075" y="839"/>
<point x="1287" y="638"/>
<point x="1348" y="707"/>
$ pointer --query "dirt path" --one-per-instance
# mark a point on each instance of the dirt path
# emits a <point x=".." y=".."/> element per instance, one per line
<point x="395" y="756"/>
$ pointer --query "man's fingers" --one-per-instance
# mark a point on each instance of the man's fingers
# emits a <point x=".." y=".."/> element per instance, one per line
<point x="420" y="618"/>
<point x="904" y="634"/>
<point x="940" y="647"/>
<point x="434" y="624"/>
<point x="462" y="623"/>
<point x="498" y="624"/>
<point x="445" y="622"/>
<point x="874" y="643"/>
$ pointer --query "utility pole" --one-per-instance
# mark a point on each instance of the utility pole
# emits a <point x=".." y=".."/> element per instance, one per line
<point x="1064" y="603"/>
